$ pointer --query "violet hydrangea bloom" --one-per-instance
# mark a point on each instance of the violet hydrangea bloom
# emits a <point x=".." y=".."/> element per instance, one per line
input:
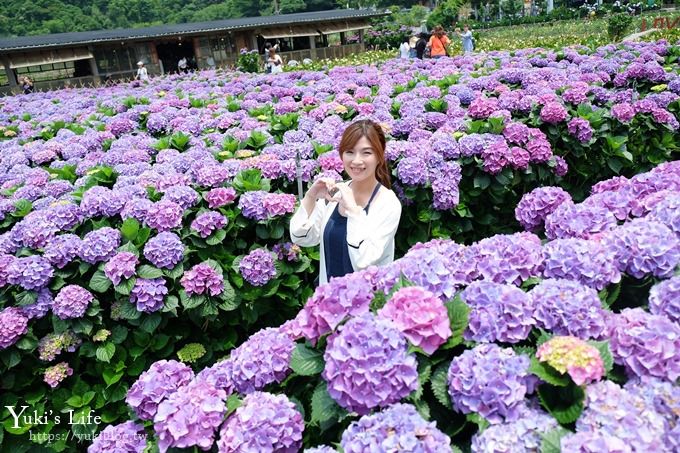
<point x="396" y="428"/>
<point x="593" y="442"/>
<point x="645" y="247"/>
<point x="524" y="435"/>
<point x="420" y="316"/>
<point x="588" y="262"/>
<point x="164" y="215"/>
<point x="164" y="250"/>
<point x="573" y="356"/>
<point x="667" y="211"/>
<point x="509" y="258"/>
<point x="257" y="267"/>
<point x="208" y="222"/>
<point x="581" y="129"/>
<point x="536" y="205"/>
<point x="664" y="299"/>
<point x="202" y="279"/>
<point x="498" y="312"/>
<point x="13" y="324"/>
<point x="122" y="265"/>
<point x="62" y="249"/>
<point x="263" y="422"/>
<point x="162" y="378"/>
<point x="220" y="196"/>
<point x="57" y="373"/>
<point x="148" y="294"/>
<point x="567" y="307"/>
<point x="5" y="262"/>
<point x="616" y="412"/>
<point x="71" y="302"/>
<point x="380" y="373"/>
<point x="430" y="270"/>
<point x="40" y="307"/>
<point x="127" y="437"/>
<point x="491" y="381"/>
<point x="646" y="344"/>
<point x="332" y="303"/>
<point x="553" y="113"/>
<point x="190" y="416"/>
<point x="412" y="171"/>
<point x="578" y="221"/>
<point x="261" y="360"/>
<point x="100" y="245"/>
<point x="664" y="398"/>
<point x="31" y="272"/>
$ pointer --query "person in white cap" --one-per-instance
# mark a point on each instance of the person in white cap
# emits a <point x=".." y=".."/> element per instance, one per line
<point x="141" y="72"/>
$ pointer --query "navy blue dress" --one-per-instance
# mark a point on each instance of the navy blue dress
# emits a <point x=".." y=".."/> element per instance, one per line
<point x="336" y="249"/>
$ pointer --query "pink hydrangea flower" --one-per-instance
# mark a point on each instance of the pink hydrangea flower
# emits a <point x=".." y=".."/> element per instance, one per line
<point x="574" y="356"/>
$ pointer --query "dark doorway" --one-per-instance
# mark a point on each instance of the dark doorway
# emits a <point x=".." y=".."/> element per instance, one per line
<point x="170" y="53"/>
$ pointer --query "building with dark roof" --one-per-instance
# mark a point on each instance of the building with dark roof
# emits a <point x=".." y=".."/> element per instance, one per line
<point x="84" y="58"/>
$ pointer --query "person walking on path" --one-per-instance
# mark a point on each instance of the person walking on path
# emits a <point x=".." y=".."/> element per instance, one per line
<point x="438" y="43"/>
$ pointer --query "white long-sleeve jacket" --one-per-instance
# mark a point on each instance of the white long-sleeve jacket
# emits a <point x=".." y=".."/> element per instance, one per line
<point x="370" y="237"/>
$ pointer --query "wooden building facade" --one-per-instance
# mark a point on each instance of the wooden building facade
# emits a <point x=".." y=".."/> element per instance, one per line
<point x="91" y="58"/>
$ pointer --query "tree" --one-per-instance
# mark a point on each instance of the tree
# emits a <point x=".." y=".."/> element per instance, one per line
<point x="445" y="14"/>
<point x="284" y="7"/>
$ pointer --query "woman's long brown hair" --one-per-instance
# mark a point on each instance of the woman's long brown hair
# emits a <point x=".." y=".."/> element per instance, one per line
<point x="374" y="133"/>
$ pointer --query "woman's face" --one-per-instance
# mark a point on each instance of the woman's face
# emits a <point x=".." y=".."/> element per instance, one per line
<point x="361" y="161"/>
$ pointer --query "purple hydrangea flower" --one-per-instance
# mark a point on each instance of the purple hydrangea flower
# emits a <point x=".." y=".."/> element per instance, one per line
<point x="430" y="270"/>
<point x="581" y="129"/>
<point x="593" y="442"/>
<point x="645" y="247"/>
<point x="536" y="205"/>
<point x="509" y="258"/>
<point x="553" y="113"/>
<point x="184" y="196"/>
<point x="148" y="294"/>
<point x="65" y="215"/>
<point x="51" y="345"/>
<point x="126" y="437"/>
<point x="100" y="245"/>
<point x="122" y="265"/>
<point x="287" y="251"/>
<point x="378" y="374"/>
<point x="101" y="201"/>
<point x="208" y="222"/>
<point x="35" y="231"/>
<point x="517" y="133"/>
<point x="664" y="299"/>
<point x="164" y="215"/>
<point x="497" y="313"/>
<point x="623" y="112"/>
<point x="162" y="379"/>
<point x="31" y="272"/>
<point x="190" y="416"/>
<point x="588" y="262"/>
<point x="264" y="422"/>
<point x="5" y="262"/>
<point x="257" y="267"/>
<point x="566" y="307"/>
<point x="491" y="381"/>
<point x="57" y="373"/>
<point x="165" y="250"/>
<point x="62" y="249"/>
<point x="412" y="171"/>
<point x="525" y="435"/>
<point x="332" y="303"/>
<point x="445" y="193"/>
<point x="13" y="324"/>
<point x="220" y="196"/>
<point x="667" y="211"/>
<point x="71" y="302"/>
<point x="263" y="359"/>
<point x="664" y="398"/>
<point x="40" y="307"/>
<point x="614" y="412"/>
<point x="203" y="279"/>
<point x="578" y="221"/>
<point x="646" y="344"/>
<point x="261" y="205"/>
<point x="420" y="316"/>
<point x="397" y="428"/>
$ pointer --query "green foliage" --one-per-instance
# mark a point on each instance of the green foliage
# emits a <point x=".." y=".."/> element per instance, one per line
<point x="618" y="25"/>
<point x="248" y="61"/>
<point x="550" y="441"/>
<point x="564" y="403"/>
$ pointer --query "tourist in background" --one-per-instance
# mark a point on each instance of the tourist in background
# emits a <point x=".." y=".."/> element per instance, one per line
<point x="142" y="75"/>
<point x="26" y="84"/>
<point x="438" y="43"/>
<point x="404" y="49"/>
<point x="274" y="62"/>
<point x="421" y="45"/>
<point x="182" y="65"/>
<point x="412" y="47"/>
<point x="467" y="39"/>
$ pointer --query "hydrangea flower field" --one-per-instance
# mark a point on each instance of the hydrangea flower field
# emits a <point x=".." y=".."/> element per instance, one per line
<point x="146" y="276"/>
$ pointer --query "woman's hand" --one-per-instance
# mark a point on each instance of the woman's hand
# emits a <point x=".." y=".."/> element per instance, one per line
<point x="320" y="189"/>
<point x="345" y="198"/>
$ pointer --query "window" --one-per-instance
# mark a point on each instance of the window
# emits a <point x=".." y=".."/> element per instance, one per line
<point x="44" y="72"/>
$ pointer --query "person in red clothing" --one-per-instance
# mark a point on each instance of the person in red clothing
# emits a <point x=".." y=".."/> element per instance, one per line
<point x="438" y="43"/>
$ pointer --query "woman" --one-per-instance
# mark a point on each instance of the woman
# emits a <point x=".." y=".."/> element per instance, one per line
<point x="355" y="221"/>
<point x="142" y="75"/>
<point x="467" y="39"/>
<point x="274" y="61"/>
<point x="404" y="49"/>
<point x="26" y="85"/>
<point x="438" y="43"/>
